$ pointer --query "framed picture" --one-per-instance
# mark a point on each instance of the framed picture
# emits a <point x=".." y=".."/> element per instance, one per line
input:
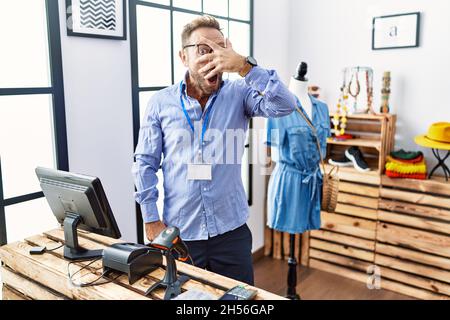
<point x="97" y="18"/>
<point x="396" y="31"/>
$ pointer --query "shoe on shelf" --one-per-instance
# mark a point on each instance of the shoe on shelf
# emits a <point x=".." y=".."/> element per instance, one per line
<point x="357" y="158"/>
<point x="341" y="162"/>
<point x="406" y="155"/>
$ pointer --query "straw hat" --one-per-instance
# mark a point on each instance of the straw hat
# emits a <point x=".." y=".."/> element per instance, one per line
<point x="438" y="137"/>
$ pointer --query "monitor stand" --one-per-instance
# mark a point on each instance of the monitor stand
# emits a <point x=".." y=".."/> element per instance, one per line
<point x="72" y="250"/>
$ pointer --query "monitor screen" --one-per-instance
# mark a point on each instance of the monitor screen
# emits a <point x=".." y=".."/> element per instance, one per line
<point x="81" y="195"/>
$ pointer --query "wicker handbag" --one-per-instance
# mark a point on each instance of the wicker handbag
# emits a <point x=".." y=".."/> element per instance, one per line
<point x="330" y="186"/>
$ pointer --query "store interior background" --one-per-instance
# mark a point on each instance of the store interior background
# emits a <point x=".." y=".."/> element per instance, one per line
<point x="328" y="35"/>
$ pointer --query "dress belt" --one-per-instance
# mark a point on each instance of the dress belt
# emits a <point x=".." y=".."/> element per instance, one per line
<point x="315" y="174"/>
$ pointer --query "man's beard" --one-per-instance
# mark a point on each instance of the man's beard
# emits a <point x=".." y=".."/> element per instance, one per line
<point x="207" y="86"/>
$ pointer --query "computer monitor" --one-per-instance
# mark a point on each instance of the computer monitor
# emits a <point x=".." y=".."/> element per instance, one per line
<point x="78" y="201"/>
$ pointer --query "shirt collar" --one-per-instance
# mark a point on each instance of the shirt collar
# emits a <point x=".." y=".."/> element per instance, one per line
<point x="184" y="83"/>
<point x="313" y="100"/>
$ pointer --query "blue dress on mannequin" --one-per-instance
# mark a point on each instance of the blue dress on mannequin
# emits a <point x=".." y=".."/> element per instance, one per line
<point x="294" y="193"/>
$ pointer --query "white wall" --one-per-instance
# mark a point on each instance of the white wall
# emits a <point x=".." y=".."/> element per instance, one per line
<point x="97" y="84"/>
<point x="271" y="38"/>
<point x="331" y="35"/>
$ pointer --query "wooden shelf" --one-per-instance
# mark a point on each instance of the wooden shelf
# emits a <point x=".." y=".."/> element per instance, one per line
<point x="365" y="116"/>
<point x="374" y="135"/>
<point x="435" y="185"/>
<point x="351" y="174"/>
<point x="357" y="142"/>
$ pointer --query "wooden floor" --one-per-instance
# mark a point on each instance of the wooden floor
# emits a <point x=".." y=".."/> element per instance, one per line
<point x="271" y="275"/>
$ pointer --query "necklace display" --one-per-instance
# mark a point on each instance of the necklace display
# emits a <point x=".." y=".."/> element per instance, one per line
<point x="357" y="90"/>
<point x="340" y="117"/>
<point x="352" y="86"/>
<point x="361" y="91"/>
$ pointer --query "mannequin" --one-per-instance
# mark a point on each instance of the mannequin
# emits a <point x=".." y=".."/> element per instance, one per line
<point x="293" y="193"/>
<point x="293" y="196"/>
<point x="299" y="87"/>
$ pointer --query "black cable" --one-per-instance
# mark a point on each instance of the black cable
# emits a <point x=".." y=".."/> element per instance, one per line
<point x="81" y="269"/>
<point x="42" y="250"/>
<point x="91" y="283"/>
<point x="50" y="250"/>
<point x="191" y="260"/>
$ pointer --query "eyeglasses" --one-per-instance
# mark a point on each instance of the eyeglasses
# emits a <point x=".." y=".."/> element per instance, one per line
<point x="202" y="49"/>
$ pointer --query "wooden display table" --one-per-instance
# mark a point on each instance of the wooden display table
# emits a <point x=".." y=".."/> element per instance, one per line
<point x="44" y="277"/>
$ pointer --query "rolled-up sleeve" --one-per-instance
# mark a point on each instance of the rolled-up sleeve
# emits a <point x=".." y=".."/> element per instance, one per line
<point x="266" y="95"/>
<point x="147" y="162"/>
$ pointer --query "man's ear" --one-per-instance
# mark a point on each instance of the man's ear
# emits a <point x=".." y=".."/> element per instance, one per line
<point x="183" y="57"/>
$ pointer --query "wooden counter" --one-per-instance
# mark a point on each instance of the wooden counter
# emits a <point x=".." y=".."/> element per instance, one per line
<point x="45" y="277"/>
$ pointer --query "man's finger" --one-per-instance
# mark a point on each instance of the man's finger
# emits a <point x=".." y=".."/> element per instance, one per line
<point x="206" y="58"/>
<point x="208" y="67"/>
<point x="213" y="73"/>
<point x="210" y="43"/>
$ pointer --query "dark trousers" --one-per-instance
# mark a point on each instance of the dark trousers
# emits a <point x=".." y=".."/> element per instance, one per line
<point x="228" y="254"/>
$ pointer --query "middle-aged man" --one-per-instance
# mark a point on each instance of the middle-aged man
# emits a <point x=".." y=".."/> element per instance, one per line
<point x="206" y="200"/>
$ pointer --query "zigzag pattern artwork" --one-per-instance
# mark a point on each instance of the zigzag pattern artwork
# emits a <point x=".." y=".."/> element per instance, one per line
<point x="98" y="14"/>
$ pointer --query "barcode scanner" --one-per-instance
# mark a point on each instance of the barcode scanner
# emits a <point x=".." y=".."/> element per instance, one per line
<point x="169" y="241"/>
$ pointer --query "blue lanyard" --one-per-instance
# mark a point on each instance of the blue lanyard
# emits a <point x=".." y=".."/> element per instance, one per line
<point x="205" y="120"/>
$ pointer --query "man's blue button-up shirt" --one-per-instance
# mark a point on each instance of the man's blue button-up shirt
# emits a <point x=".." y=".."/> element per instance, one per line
<point x="203" y="208"/>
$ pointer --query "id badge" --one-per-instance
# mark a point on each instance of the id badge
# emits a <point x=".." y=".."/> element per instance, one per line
<point x="199" y="172"/>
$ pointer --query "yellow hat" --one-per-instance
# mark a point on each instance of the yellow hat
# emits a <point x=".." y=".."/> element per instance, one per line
<point x="438" y="137"/>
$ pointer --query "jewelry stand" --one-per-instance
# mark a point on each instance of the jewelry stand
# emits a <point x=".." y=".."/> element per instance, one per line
<point x="292" y="272"/>
<point x="441" y="164"/>
<point x="355" y="87"/>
